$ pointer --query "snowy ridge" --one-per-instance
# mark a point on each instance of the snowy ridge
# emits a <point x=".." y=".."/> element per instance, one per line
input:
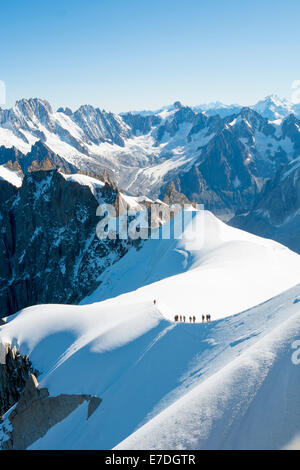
<point x="183" y="274"/>
<point x="225" y="384"/>
<point x="215" y="380"/>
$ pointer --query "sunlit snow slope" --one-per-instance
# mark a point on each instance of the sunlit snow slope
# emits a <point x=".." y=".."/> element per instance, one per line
<point x="226" y="384"/>
<point x="213" y="269"/>
<point x="252" y="402"/>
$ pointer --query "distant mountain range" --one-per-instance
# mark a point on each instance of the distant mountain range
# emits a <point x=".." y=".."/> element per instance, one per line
<point x="271" y="107"/>
<point x="220" y="161"/>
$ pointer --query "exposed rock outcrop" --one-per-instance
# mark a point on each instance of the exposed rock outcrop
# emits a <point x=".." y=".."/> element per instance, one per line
<point x="37" y="412"/>
<point x="40" y="157"/>
<point x="14" y="372"/>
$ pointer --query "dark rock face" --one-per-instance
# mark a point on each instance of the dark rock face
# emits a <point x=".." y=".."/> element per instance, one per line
<point x="290" y="129"/>
<point x="39" y="158"/>
<point x="172" y="196"/>
<point x="184" y="114"/>
<point x="14" y="373"/>
<point x="141" y="124"/>
<point x="66" y="111"/>
<point x="37" y="412"/>
<point x="7" y="191"/>
<point x="222" y="180"/>
<point x="49" y="249"/>
<point x="276" y="211"/>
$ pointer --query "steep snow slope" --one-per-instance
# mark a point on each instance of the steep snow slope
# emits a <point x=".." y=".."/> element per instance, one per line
<point x="227" y="384"/>
<point x="251" y="403"/>
<point x="213" y="269"/>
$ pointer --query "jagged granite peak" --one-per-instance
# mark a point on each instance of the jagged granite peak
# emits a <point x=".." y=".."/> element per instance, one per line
<point x="100" y="126"/>
<point x="14" y="166"/>
<point x="67" y="111"/>
<point x="39" y="157"/>
<point x="141" y="124"/>
<point x="182" y="114"/>
<point x="34" y="107"/>
<point x="256" y="121"/>
<point x="26" y="114"/>
<point x="291" y="130"/>
<point x="178" y="105"/>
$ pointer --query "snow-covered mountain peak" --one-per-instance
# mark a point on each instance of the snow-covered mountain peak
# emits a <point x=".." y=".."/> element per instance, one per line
<point x="35" y="106"/>
<point x="276" y="100"/>
<point x="273" y="107"/>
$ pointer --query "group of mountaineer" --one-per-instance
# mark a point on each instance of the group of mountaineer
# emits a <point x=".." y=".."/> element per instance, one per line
<point x="182" y="318"/>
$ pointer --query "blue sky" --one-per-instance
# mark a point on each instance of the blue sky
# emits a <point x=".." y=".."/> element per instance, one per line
<point x="142" y="54"/>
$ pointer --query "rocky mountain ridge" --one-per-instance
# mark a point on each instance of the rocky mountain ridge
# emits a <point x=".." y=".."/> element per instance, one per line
<point x="221" y="162"/>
